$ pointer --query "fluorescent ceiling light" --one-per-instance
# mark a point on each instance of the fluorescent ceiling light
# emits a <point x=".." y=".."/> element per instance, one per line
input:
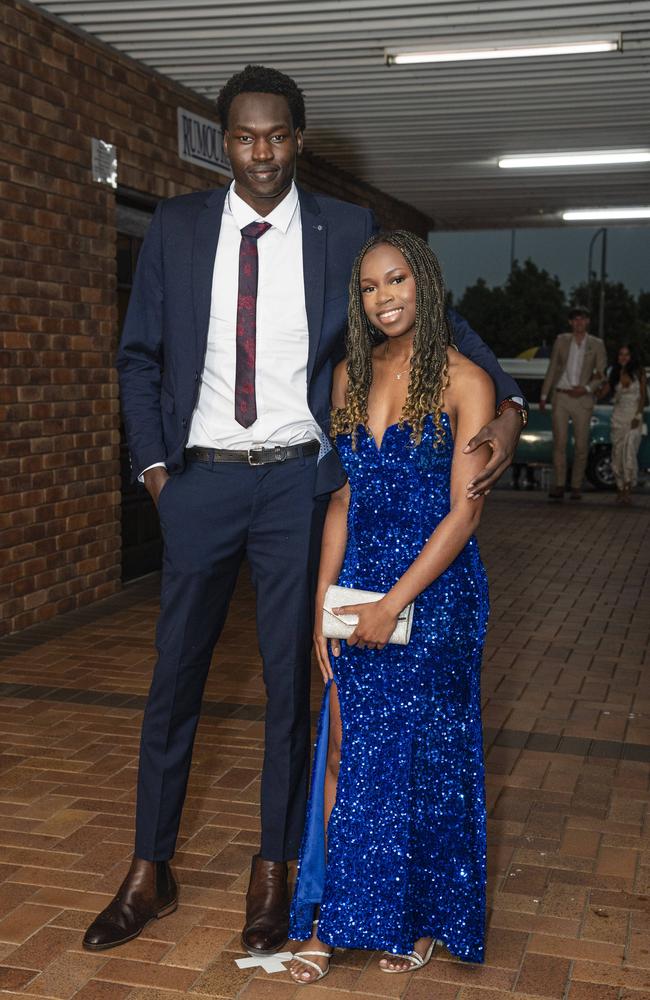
<point x="602" y="214"/>
<point x="575" y="159"/>
<point x="505" y="50"/>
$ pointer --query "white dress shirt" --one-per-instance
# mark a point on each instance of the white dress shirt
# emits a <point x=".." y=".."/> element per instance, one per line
<point x="570" y="377"/>
<point x="282" y="336"/>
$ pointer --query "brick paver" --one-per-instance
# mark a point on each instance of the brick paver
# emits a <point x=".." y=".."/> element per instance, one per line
<point x="567" y="727"/>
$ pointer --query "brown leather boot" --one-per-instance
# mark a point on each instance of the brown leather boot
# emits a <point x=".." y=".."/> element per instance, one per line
<point x="267" y="908"/>
<point x="148" y="891"/>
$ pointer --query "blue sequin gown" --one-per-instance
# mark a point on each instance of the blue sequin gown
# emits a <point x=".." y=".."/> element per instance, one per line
<point x="406" y="838"/>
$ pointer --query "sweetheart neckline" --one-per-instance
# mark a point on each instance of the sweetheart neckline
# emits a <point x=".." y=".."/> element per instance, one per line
<point x="378" y="447"/>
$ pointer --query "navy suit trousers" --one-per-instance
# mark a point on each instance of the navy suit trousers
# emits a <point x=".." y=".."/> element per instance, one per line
<point x="212" y="516"/>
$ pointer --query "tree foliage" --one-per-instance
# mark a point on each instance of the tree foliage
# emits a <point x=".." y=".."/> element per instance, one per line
<point x="531" y="308"/>
<point x="643" y="303"/>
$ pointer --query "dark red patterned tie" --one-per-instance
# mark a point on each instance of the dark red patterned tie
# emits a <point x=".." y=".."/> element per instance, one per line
<point x="245" y="405"/>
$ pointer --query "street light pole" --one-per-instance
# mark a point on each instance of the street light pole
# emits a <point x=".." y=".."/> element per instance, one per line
<point x="603" y="271"/>
<point x="601" y="304"/>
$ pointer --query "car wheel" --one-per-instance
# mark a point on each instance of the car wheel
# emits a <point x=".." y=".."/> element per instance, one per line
<point x="599" y="468"/>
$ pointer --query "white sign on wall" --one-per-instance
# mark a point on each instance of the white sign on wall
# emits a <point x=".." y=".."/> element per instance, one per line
<point x="104" y="162"/>
<point x="200" y="141"/>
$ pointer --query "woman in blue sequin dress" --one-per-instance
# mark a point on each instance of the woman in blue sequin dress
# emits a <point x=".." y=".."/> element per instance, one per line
<point x="393" y="854"/>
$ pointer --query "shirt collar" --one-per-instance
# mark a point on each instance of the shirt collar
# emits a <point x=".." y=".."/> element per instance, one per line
<point x="280" y="217"/>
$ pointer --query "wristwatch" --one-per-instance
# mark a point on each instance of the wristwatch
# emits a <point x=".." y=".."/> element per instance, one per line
<point x="514" y="403"/>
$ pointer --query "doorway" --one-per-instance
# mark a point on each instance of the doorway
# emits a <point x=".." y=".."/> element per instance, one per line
<point x="141" y="540"/>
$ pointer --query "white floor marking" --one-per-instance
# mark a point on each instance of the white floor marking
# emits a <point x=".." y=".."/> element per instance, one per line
<point x="270" y="964"/>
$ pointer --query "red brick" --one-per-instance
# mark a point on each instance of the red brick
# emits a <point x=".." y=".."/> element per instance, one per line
<point x="58" y="309"/>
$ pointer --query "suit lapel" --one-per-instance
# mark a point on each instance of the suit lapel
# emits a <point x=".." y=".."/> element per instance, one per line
<point x="314" y="257"/>
<point x="588" y="362"/>
<point x="204" y="249"/>
<point x="562" y="357"/>
<point x="565" y="351"/>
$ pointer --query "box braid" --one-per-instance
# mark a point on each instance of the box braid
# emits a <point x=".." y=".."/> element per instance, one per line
<point x="428" y="377"/>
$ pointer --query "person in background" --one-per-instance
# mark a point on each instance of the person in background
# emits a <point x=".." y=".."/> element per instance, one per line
<point x="529" y="482"/>
<point x="628" y="385"/>
<point x="575" y="372"/>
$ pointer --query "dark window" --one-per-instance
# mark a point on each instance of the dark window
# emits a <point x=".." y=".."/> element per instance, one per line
<point x="141" y="541"/>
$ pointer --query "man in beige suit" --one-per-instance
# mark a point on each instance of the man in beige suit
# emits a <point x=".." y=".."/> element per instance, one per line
<point x="576" y="369"/>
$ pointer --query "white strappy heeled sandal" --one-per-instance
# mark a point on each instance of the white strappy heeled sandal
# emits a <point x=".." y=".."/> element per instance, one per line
<point x="415" y="960"/>
<point x="320" y="973"/>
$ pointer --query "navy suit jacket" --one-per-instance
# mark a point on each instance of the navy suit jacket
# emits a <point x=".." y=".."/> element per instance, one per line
<point x="163" y="345"/>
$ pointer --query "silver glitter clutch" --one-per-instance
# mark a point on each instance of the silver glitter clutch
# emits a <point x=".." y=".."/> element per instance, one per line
<point x="342" y="626"/>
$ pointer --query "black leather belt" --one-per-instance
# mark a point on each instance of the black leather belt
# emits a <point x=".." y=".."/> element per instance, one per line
<point x="253" y="456"/>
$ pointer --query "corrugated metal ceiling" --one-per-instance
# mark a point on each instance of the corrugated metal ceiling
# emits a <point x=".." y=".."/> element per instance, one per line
<point x="427" y="134"/>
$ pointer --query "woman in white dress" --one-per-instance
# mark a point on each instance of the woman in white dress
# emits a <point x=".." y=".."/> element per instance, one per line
<point x="627" y="381"/>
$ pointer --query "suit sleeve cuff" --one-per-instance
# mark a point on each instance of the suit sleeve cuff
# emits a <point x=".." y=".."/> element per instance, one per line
<point x="156" y="465"/>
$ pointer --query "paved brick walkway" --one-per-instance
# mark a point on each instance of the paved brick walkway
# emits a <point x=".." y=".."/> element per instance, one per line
<point x="567" y="720"/>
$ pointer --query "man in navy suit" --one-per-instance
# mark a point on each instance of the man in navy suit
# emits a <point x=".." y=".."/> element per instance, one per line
<point x="235" y="321"/>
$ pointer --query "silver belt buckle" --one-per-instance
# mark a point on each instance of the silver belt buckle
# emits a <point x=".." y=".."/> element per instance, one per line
<point x="279" y="455"/>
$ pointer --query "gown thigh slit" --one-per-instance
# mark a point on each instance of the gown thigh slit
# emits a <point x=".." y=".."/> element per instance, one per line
<point x="334" y="740"/>
<point x="405" y="856"/>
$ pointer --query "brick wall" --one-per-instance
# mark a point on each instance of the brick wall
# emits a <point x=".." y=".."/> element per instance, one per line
<point x="59" y="411"/>
<point x="319" y="175"/>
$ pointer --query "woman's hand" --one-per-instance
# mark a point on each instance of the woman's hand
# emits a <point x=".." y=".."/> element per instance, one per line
<point x="376" y="624"/>
<point x="320" y="647"/>
<point x="635" y="423"/>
